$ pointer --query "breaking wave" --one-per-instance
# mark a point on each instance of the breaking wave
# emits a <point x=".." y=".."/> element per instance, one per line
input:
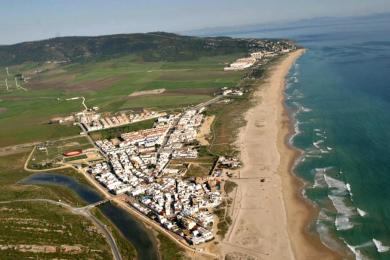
<point x="379" y="246"/>
<point x="361" y="212"/>
<point x="344" y="213"/>
<point x="356" y="250"/>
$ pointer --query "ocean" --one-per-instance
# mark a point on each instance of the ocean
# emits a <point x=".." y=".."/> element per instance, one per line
<point x="339" y="97"/>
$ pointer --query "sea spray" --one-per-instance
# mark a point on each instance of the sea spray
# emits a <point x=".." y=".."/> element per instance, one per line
<point x="337" y="187"/>
<point x="344" y="213"/>
<point x="361" y="212"/>
<point x="379" y="246"/>
<point x="343" y="79"/>
<point x="357" y="250"/>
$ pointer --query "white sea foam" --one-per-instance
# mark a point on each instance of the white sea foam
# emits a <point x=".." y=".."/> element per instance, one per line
<point x="323" y="215"/>
<point x="305" y="109"/>
<point x="319" y="180"/>
<point x="325" y="169"/>
<point x="297" y="131"/>
<point x="348" y="188"/>
<point x="379" y="246"/>
<point x="338" y="186"/>
<point x="301" y="108"/>
<point x="317" y="144"/>
<point x="296" y="70"/>
<point x="311" y="155"/>
<point x="326" y="237"/>
<point x="303" y="192"/>
<point x="342" y="221"/>
<point x="297" y="94"/>
<point x="357" y="252"/>
<point x="355" y="249"/>
<point x="361" y="212"/>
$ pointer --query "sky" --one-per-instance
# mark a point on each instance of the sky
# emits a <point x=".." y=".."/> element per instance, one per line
<point x="27" y="20"/>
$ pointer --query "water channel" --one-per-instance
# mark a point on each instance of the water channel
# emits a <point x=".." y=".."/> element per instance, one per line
<point x="132" y="229"/>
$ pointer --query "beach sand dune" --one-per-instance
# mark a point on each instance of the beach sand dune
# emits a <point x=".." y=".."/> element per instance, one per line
<point x="269" y="217"/>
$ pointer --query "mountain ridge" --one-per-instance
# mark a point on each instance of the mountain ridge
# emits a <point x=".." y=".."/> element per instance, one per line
<point x="153" y="46"/>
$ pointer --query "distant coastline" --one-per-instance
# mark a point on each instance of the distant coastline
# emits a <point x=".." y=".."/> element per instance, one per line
<point x="299" y="212"/>
<point x="269" y="216"/>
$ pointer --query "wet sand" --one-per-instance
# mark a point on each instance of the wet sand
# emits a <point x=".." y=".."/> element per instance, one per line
<point x="269" y="214"/>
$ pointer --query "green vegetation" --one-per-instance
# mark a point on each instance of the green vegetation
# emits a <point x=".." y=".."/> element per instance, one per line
<point x="51" y="153"/>
<point x="49" y="228"/>
<point x="126" y="249"/>
<point x="164" y="102"/>
<point x="229" y="186"/>
<point x="105" y="70"/>
<point x="155" y="46"/>
<point x="224" y="220"/>
<point x="42" y="224"/>
<point x="75" y="158"/>
<point x="199" y="169"/>
<point x="168" y="249"/>
<point x="229" y="118"/>
<point x="115" y="132"/>
<point x="190" y="69"/>
<point x="11" y="172"/>
<point x="24" y="116"/>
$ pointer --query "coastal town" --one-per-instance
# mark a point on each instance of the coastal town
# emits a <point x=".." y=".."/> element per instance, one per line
<point x="157" y="164"/>
<point x="173" y="130"/>
<point x="137" y="165"/>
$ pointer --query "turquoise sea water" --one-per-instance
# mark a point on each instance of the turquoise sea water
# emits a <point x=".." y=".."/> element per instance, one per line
<point x="339" y="96"/>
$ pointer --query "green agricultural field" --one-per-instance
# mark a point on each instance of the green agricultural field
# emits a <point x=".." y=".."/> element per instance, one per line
<point x="11" y="172"/>
<point x="24" y="115"/>
<point x="199" y="170"/>
<point x="53" y="152"/>
<point x="169" y="250"/>
<point x="38" y="230"/>
<point x="38" y="223"/>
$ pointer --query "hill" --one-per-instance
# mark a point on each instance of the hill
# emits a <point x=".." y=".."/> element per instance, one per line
<point x="157" y="46"/>
<point x="107" y="71"/>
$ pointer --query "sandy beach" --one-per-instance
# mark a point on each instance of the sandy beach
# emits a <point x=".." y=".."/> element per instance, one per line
<point x="269" y="215"/>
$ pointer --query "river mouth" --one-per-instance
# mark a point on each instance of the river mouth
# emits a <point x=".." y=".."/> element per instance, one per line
<point x="133" y="230"/>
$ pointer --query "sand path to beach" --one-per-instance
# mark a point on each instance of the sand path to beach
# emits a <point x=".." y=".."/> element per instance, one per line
<point x="268" y="217"/>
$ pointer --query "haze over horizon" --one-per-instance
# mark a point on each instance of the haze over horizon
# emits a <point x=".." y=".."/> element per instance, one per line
<point x="87" y="18"/>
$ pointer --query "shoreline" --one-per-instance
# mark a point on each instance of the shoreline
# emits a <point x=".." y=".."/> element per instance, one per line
<point x="270" y="216"/>
<point x="300" y="212"/>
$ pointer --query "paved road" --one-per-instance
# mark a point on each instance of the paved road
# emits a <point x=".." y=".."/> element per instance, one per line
<point x="84" y="211"/>
<point x="211" y="101"/>
<point x="85" y="131"/>
<point x="107" y="234"/>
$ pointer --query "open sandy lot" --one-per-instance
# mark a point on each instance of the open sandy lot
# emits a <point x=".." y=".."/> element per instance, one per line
<point x="147" y="92"/>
